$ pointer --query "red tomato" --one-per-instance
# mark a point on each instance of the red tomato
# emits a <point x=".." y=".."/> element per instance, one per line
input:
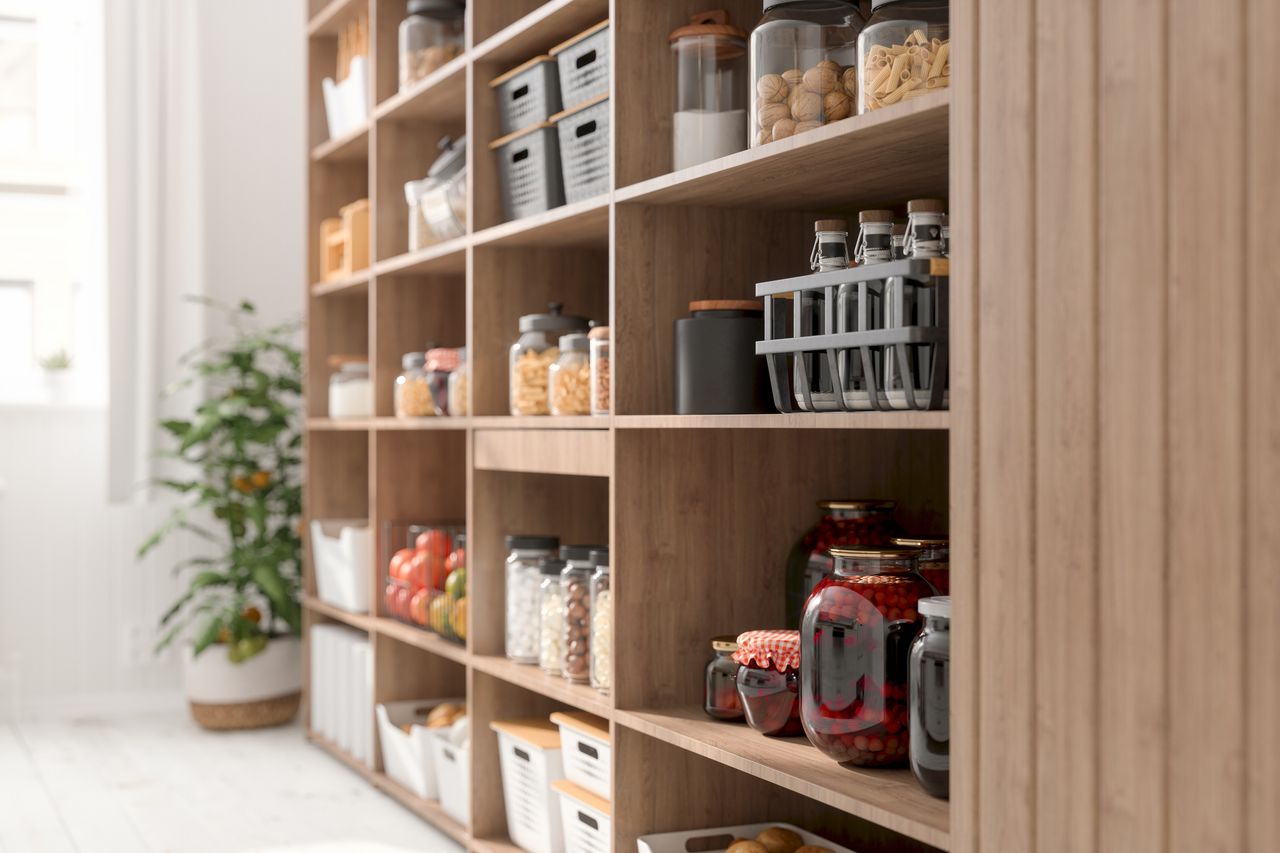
<point x="416" y="573"/>
<point x="398" y="561"/>
<point x="403" y="597"/>
<point x="456" y="560"/>
<point x="435" y="543"/>
<point x="389" y="596"/>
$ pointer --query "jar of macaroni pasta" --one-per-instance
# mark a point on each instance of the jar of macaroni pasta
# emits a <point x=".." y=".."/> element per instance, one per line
<point x="458" y="382"/>
<point x="413" y="390"/>
<point x="569" y="379"/>
<point x="600" y="366"/>
<point x="903" y="52"/>
<point x="532" y="355"/>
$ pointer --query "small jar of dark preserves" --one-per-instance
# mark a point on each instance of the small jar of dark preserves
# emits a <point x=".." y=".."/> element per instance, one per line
<point x="934" y="562"/>
<point x="931" y="698"/>
<point x="768" y="681"/>
<point x="855" y="640"/>
<point x="721" y="700"/>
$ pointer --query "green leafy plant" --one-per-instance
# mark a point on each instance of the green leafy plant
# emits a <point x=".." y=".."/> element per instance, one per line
<point x="243" y="448"/>
<point x="60" y="360"/>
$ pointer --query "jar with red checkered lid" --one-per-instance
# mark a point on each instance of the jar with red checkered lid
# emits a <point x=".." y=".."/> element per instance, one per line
<point x="844" y="523"/>
<point x="855" y="643"/>
<point x="768" y="680"/>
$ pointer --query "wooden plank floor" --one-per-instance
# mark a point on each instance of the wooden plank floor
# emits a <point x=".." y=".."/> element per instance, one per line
<point x="158" y="783"/>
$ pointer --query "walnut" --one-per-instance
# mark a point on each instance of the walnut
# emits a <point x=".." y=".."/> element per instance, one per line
<point x="835" y="105"/>
<point x="849" y="79"/>
<point x="806" y="106"/>
<point x="822" y="78"/>
<point x="770" y="113"/>
<point x="765" y="135"/>
<point x="793" y="76"/>
<point x="771" y="87"/>
<point x="802" y="126"/>
<point x="783" y="128"/>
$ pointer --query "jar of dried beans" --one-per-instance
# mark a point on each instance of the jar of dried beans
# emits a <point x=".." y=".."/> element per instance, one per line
<point x="934" y="562"/>
<point x="569" y="378"/>
<point x="855" y="642"/>
<point x="720" y="698"/>
<point x="904" y="52"/>
<point x="843" y="523"/>
<point x="768" y="681"/>
<point x="575" y="591"/>
<point x="532" y="355"/>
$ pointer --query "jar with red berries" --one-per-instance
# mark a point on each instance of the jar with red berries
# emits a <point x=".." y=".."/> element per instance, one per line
<point x="768" y="681"/>
<point x="934" y="561"/>
<point x="855" y="644"/>
<point x="843" y="523"/>
<point x="720" y="699"/>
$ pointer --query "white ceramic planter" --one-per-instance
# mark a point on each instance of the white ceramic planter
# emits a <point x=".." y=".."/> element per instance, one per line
<point x="264" y="690"/>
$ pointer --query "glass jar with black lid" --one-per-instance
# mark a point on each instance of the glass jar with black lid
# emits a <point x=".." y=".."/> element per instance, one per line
<point x="930" y="747"/>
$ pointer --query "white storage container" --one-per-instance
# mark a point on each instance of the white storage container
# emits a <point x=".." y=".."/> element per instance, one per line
<point x="718" y="839"/>
<point x="585" y="747"/>
<point x="360" y="699"/>
<point x="529" y="754"/>
<point x="342" y="689"/>
<point x="407" y="755"/>
<point x="341" y="551"/>
<point x="346" y="104"/>
<point x="452" y="764"/>
<point x="586" y="819"/>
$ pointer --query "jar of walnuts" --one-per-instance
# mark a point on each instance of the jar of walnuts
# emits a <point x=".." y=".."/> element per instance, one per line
<point x="803" y="66"/>
<point x="532" y="355"/>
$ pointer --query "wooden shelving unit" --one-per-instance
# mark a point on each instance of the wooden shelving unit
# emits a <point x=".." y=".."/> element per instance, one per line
<point x="699" y="511"/>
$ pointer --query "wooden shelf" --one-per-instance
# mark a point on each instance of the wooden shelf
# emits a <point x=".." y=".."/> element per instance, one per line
<point x="354" y="285"/>
<point x="362" y="621"/>
<point x="447" y="258"/>
<point x="886" y="156"/>
<point x="547" y="422"/>
<point x="330" y="20"/>
<point x="890" y="798"/>
<point x="581" y="696"/>
<point x="585" y="453"/>
<point x="583" y="223"/>
<point x="428" y="810"/>
<point x="421" y="639"/>
<point x="348" y="148"/>
<point x="795" y="420"/>
<point x="540" y="30"/>
<point x="341" y="424"/>
<point x="441" y="96"/>
<point x="436" y="423"/>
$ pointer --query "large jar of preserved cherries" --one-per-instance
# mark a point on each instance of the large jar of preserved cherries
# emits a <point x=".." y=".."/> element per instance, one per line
<point x="843" y="523"/>
<point x="855" y="642"/>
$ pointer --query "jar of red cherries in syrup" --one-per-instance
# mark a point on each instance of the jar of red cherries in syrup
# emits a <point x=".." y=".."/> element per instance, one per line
<point x="768" y="682"/>
<point x="855" y="642"/>
<point x="934" y="562"/>
<point x="720" y="700"/>
<point x="843" y="523"/>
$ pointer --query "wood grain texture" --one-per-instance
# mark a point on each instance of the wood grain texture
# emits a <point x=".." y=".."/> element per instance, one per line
<point x="1262" y="435"/>
<point x="1206" y="402"/>
<point x="1132" y="343"/>
<point x="1066" y="422"/>
<point x="583" y="453"/>
<point x="411" y="314"/>
<point x="1006" y="441"/>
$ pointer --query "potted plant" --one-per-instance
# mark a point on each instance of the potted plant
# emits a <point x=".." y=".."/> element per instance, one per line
<point x="239" y="617"/>
<point x="57" y="374"/>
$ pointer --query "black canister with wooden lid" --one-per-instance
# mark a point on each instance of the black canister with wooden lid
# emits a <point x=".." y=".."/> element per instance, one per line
<point x="716" y="369"/>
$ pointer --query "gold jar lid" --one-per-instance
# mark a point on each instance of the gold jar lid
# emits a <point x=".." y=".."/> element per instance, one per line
<point x="868" y="552"/>
<point x="920" y="541"/>
<point x="857" y="503"/>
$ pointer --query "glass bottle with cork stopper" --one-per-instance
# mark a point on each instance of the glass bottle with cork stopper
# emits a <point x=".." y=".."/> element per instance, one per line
<point x="830" y="252"/>
<point x="859" y="306"/>
<point x="911" y="303"/>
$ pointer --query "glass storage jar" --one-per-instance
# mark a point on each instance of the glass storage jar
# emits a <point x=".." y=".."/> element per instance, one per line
<point x="934" y="561"/>
<point x="437" y="203"/>
<point x="601" y="623"/>
<point x="720" y="697"/>
<point x="802" y="66"/>
<point x="429" y="37"/>
<point x="855" y="639"/>
<point x="412" y="391"/>
<point x="569" y="378"/>
<point x="532" y="355"/>
<point x="903" y="52"/>
<point x="458" y="381"/>
<point x="575" y="590"/>
<point x="599" y="337"/>
<point x="842" y="523"/>
<point x="524" y="579"/>
<point x="914" y="303"/>
<point x="550" y="616"/>
<point x="350" y="390"/>
<point x="440" y="363"/>
<point x="930" y="746"/>
<point x="768" y="683"/>
<point x="859" y="308"/>
<point x="711" y="89"/>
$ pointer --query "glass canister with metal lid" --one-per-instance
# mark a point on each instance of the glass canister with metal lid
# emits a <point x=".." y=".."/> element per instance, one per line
<point x="904" y="52"/>
<point x="532" y="355"/>
<point x="711" y="89"/>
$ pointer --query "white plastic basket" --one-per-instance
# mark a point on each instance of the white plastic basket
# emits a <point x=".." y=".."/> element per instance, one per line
<point x="453" y="775"/>
<point x="341" y="550"/>
<point x="529" y="754"/>
<point x="407" y="755"/>
<point x="718" y="839"/>
<point x="585" y="748"/>
<point x="586" y="819"/>
<point x="346" y="104"/>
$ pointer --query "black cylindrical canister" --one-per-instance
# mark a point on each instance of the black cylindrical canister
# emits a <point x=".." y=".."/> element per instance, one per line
<point x="716" y="369"/>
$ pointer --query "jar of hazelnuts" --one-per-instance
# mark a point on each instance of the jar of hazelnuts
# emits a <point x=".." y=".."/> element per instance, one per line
<point x="803" y="59"/>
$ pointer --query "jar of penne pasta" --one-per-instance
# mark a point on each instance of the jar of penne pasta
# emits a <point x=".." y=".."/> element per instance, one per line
<point x="904" y="52"/>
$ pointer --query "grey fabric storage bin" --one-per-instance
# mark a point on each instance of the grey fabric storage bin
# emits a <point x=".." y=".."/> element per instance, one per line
<point x="584" y="149"/>
<point x="583" y="63"/>
<point x="529" y="171"/>
<point x="528" y="94"/>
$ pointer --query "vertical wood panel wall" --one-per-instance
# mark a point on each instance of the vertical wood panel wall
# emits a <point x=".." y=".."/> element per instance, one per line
<point x="1116" y="450"/>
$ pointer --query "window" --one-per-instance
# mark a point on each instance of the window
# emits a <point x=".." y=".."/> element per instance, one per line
<point x="18" y="62"/>
<point x="17" y="319"/>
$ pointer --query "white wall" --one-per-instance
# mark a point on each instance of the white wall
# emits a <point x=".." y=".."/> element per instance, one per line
<point x="77" y="612"/>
